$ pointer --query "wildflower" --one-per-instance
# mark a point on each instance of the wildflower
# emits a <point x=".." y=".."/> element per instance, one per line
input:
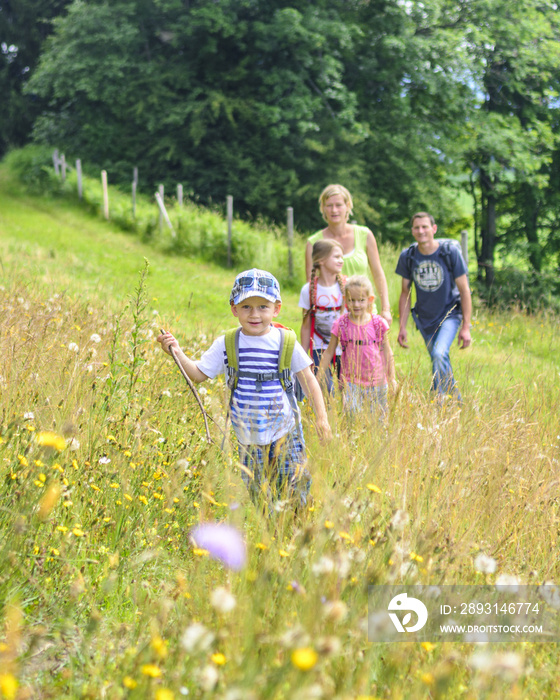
<point x="222" y="600"/>
<point x="485" y="564"/>
<point x="159" y="645"/>
<point x="208" y="678"/>
<point x="335" y="610"/>
<point x="62" y="528"/>
<point x="164" y="694"/>
<point x="218" y="658"/>
<point x="399" y="520"/>
<point x="29" y="415"/>
<point x="304" y="658"/>
<point x="73" y="347"/>
<point x="374" y="488"/>
<point x="329" y="646"/>
<point x="129" y="683"/>
<point x="325" y="565"/>
<point x="428" y="646"/>
<point x="283" y="553"/>
<point x="151" y="670"/>
<point x="23" y="461"/>
<point x="143" y="500"/>
<point x="72" y="444"/>
<point x="77" y="532"/>
<point x="261" y="546"/>
<point x="329" y="525"/>
<point x="95" y="338"/>
<point x="8" y="686"/>
<point x="104" y="460"/>
<point x="49" y="500"/>
<point x="196" y="638"/>
<point x="50" y="439"/>
<point x="223" y="542"/>
<point x="551" y="594"/>
<point x="508" y="583"/>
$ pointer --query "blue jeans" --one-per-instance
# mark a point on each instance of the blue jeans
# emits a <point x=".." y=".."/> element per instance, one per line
<point x="439" y="343"/>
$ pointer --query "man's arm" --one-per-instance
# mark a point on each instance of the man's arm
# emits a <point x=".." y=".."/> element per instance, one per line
<point x="313" y="392"/>
<point x="404" y="311"/>
<point x="464" y="336"/>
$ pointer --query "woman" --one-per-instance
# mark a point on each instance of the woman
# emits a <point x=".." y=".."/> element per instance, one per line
<point x="358" y="242"/>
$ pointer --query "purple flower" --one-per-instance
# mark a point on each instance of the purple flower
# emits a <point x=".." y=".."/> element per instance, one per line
<point x="223" y="542"/>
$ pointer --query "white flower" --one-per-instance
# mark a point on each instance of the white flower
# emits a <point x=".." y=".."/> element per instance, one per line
<point x="485" y="564"/>
<point x="72" y="444"/>
<point x="399" y="520"/>
<point x="104" y="460"/>
<point x="508" y="583"/>
<point x="335" y="610"/>
<point x="166" y="392"/>
<point x="208" y="678"/>
<point x="325" y="565"/>
<point x="73" y="347"/>
<point x="551" y="594"/>
<point x="95" y="338"/>
<point x="196" y="638"/>
<point x="222" y="600"/>
<point x="29" y="415"/>
<point x="294" y="637"/>
<point x="203" y="391"/>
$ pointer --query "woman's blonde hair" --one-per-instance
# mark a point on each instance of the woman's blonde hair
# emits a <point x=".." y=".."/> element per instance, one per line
<point x="360" y="282"/>
<point x="330" y="191"/>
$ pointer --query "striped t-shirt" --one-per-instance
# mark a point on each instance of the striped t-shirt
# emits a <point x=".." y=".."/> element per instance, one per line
<point x="258" y="417"/>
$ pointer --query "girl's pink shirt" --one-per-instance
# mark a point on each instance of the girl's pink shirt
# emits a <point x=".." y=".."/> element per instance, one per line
<point x="362" y="357"/>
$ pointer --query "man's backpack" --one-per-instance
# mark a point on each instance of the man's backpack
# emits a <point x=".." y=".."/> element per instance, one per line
<point x="445" y="244"/>
<point x="283" y="373"/>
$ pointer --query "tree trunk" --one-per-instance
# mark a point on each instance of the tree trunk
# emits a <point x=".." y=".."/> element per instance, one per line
<point x="487" y="228"/>
<point x="530" y="224"/>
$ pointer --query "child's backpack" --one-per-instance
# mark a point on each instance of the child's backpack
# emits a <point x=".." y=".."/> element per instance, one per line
<point x="445" y="244"/>
<point x="284" y="373"/>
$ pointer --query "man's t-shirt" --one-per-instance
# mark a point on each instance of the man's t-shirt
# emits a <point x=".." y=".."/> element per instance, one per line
<point x="258" y="417"/>
<point x="437" y="296"/>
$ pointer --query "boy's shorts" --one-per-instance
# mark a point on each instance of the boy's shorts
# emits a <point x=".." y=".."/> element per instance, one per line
<point x="276" y="471"/>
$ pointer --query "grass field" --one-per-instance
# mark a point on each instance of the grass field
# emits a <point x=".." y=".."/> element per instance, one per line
<point x="106" y="470"/>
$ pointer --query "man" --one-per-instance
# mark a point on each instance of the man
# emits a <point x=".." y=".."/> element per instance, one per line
<point x="443" y="299"/>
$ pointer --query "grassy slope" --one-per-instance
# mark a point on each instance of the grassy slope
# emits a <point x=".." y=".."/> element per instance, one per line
<point x="483" y="479"/>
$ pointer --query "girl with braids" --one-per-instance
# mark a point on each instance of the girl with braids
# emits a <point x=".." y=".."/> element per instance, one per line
<point x="367" y="366"/>
<point x="322" y="301"/>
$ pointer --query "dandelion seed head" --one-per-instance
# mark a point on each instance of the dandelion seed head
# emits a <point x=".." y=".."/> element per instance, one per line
<point x="222" y="600"/>
<point x="73" y="347"/>
<point x="95" y="338"/>
<point x="485" y="564"/>
<point x="196" y="638"/>
<point x="399" y="520"/>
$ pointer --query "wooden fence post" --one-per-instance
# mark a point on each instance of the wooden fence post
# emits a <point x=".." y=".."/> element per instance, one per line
<point x="229" y="208"/>
<point x="63" y="167"/>
<point x="56" y="162"/>
<point x="163" y="212"/>
<point x="160" y="192"/>
<point x="105" y="194"/>
<point x="180" y="196"/>
<point x="465" y="245"/>
<point x="79" y="176"/>
<point x="134" y="188"/>
<point x="290" y="241"/>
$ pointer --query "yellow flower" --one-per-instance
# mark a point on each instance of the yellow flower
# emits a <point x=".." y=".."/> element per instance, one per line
<point x="427" y="678"/>
<point x="329" y="525"/>
<point x="159" y="645"/>
<point x="428" y="646"/>
<point x="8" y="686"/>
<point x="374" y="488"/>
<point x="199" y="552"/>
<point x="49" y="500"/>
<point x="49" y="439"/>
<point x="218" y="658"/>
<point x="260" y="545"/>
<point x="23" y="461"/>
<point x="129" y="683"/>
<point x="77" y="532"/>
<point x="283" y="553"/>
<point x="143" y="500"/>
<point x="151" y="670"/>
<point x="304" y="658"/>
<point x="164" y="694"/>
<point x="62" y="528"/>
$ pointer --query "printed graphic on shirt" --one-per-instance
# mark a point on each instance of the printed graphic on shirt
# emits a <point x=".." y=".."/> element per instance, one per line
<point x="428" y="275"/>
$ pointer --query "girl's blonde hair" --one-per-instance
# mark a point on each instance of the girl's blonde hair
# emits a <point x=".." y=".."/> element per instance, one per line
<point x="330" y="191"/>
<point x="359" y="282"/>
<point x="321" y="251"/>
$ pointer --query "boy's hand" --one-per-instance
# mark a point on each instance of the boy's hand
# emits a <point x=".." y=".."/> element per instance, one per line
<point x="323" y="429"/>
<point x="167" y="340"/>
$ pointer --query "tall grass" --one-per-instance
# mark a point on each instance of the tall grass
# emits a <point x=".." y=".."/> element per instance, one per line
<point x="104" y="595"/>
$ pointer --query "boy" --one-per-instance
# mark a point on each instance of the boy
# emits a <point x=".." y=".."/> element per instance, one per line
<point x="265" y="419"/>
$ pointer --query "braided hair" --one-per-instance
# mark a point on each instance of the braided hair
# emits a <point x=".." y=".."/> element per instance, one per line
<point x="321" y="251"/>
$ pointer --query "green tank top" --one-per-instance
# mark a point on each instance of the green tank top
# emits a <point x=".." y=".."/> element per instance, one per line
<point x="356" y="262"/>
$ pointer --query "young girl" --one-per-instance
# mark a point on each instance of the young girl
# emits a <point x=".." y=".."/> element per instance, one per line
<point x="322" y="301"/>
<point x="367" y="360"/>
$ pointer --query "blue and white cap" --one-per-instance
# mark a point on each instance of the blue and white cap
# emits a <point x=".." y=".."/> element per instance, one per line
<point x="255" y="283"/>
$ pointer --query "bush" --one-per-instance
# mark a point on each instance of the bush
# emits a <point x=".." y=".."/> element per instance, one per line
<point x="529" y="291"/>
<point x="33" y="166"/>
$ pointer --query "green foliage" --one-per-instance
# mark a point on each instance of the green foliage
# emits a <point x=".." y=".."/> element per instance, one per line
<point x="33" y="166"/>
<point x="528" y="291"/>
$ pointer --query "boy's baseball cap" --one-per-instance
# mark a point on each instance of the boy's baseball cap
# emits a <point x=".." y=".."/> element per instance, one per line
<point x="254" y="283"/>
